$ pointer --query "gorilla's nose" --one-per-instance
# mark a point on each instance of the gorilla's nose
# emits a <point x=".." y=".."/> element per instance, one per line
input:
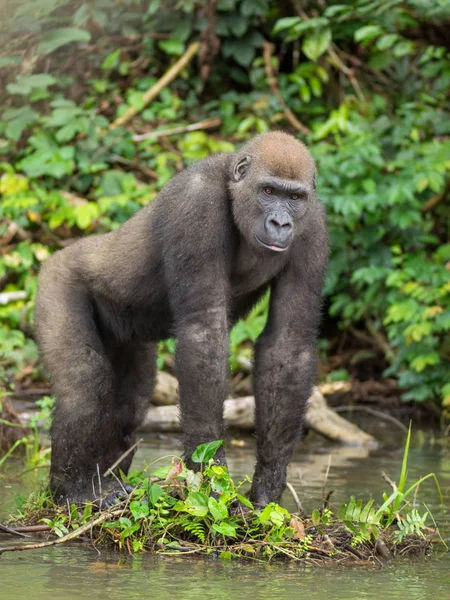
<point x="279" y="226"/>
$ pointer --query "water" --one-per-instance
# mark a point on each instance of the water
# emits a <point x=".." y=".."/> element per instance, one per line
<point x="79" y="571"/>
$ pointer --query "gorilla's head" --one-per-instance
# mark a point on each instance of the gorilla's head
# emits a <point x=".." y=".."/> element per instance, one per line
<point x="272" y="183"/>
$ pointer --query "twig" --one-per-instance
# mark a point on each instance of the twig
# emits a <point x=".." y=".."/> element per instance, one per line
<point x="379" y="339"/>
<point x="67" y="538"/>
<point x="121" y="457"/>
<point x="336" y="59"/>
<point x="272" y="81"/>
<point x="7" y="297"/>
<point x="389" y="481"/>
<point x="13" y="230"/>
<point x="335" y="387"/>
<point x="375" y="413"/>
<point x="431" y="203"/>
<point x="32" y="528"/>
<point x="349" y="73"/>
<point x="5" y="529"/>
<point x="207" y="124"/>
<point x="327" y="472"/>
<point x="100" y="491"/>
<point x="290" y="487"/>
<point x="167" y="78"/>
<point x="135" y="165"/>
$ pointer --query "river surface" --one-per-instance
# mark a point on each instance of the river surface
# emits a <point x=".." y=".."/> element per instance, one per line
<point x="80" y="571"/>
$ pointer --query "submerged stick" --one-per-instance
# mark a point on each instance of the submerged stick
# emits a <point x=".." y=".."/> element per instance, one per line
<point x="73" y="535"/>
<point x="5" y="529"/>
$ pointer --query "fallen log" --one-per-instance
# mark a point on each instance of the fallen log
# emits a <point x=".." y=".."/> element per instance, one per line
<point x="239" y="413"/>
<point x="166" y="389"/>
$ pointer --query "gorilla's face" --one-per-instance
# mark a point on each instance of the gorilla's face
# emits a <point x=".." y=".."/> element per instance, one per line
<point x="268" y="210"/>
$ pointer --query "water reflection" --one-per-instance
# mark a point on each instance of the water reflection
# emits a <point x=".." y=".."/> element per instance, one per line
<point x="78" y="571"/>
<point x="71" y="573"/>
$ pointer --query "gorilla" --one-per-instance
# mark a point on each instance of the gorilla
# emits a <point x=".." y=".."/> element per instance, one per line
<point x="188" y="265"/>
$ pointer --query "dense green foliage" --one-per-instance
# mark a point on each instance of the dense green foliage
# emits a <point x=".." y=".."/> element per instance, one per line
<point x="367" y="80"/>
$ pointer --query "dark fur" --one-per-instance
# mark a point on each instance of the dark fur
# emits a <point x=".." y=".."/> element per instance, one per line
<point x="187" y="265"/>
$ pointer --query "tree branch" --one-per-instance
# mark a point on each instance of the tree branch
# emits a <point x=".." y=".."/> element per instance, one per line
<point x="167" y="78"/>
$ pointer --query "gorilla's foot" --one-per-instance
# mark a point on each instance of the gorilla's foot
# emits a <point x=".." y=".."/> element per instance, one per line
<point x="118" y="494"/>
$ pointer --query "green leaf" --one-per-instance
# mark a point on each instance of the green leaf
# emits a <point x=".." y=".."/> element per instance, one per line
<point x="172" y="47"/>
<point x="25" y="85"/>
<point x="424" y="360"/>
<point x="17" y="120"/>
<point x="316" y="43"/>
<point x="218" y="510"/>
<point x="194" y="481"/>
<point x="386" y="41"/>
<point x="112" y="60"/>
<point x="403" y="48"/>
<point x="55" y="38"/>
<point x="367" y="33"/>
<point x="156" y="492"/>
<point x="245" y="501"/>
<point x="204" y="452"/>
<point x="85" y="214"/>
<point x="10" y="61"/>
<point x="237" y="24"/>
<point x="286" y="23"/>
<point x="445" y="391"/>
<point x="55" y="163"/>
<point x="333" y="11"/>
<point x="138" y="509"/>
<point x="303" y="26"/>
<point x="162" y="472"/>
<point x="240" y="49"/>
<point x="197" y="504"/>
<point x="315" y="516"/>
<point x="225" y="529"/>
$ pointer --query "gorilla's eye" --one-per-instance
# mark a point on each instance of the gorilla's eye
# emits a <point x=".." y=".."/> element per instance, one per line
<point x="268" y="191"/>
<point x="294" y="197"/>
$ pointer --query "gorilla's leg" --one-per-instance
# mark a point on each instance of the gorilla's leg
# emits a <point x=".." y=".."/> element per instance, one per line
<point x="201" y="366"/>
<point x="134" y="366"/>
<point x="86" y="436"/>
<point x="90" y="431"/>
<point x="283" y="383"/>
<point x="122" y="388"/>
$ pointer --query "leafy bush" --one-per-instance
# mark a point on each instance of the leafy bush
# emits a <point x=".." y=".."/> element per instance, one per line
<point x="368" y="80"/>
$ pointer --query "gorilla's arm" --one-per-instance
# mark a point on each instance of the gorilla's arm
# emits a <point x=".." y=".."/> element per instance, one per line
<point x="285" y="364"/>
<point x="198" y="282"/>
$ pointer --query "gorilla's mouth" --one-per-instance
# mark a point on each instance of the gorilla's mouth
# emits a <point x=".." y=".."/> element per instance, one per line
<point x="273" y="247"/>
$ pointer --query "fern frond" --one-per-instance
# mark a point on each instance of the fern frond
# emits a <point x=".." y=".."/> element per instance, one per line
<point x="412" y="523"/>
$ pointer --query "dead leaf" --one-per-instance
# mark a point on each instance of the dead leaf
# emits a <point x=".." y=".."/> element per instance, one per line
<point x="298" y="527"/>
<point x="174" y="471"/>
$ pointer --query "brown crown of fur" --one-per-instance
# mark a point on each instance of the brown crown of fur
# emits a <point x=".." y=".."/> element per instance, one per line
<point x="282" y="155"/>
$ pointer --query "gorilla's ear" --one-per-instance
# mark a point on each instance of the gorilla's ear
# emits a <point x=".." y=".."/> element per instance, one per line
<point x="241" y="168"/>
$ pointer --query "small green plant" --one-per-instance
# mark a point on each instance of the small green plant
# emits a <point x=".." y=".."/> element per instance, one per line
<point x="362" y="520"/>
<point x="413" y="523"/>
<point x="37" y="452"/>
<point x="365" y="521"/>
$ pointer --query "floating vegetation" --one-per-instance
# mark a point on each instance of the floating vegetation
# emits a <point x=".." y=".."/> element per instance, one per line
<point x="178" y="512"/>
